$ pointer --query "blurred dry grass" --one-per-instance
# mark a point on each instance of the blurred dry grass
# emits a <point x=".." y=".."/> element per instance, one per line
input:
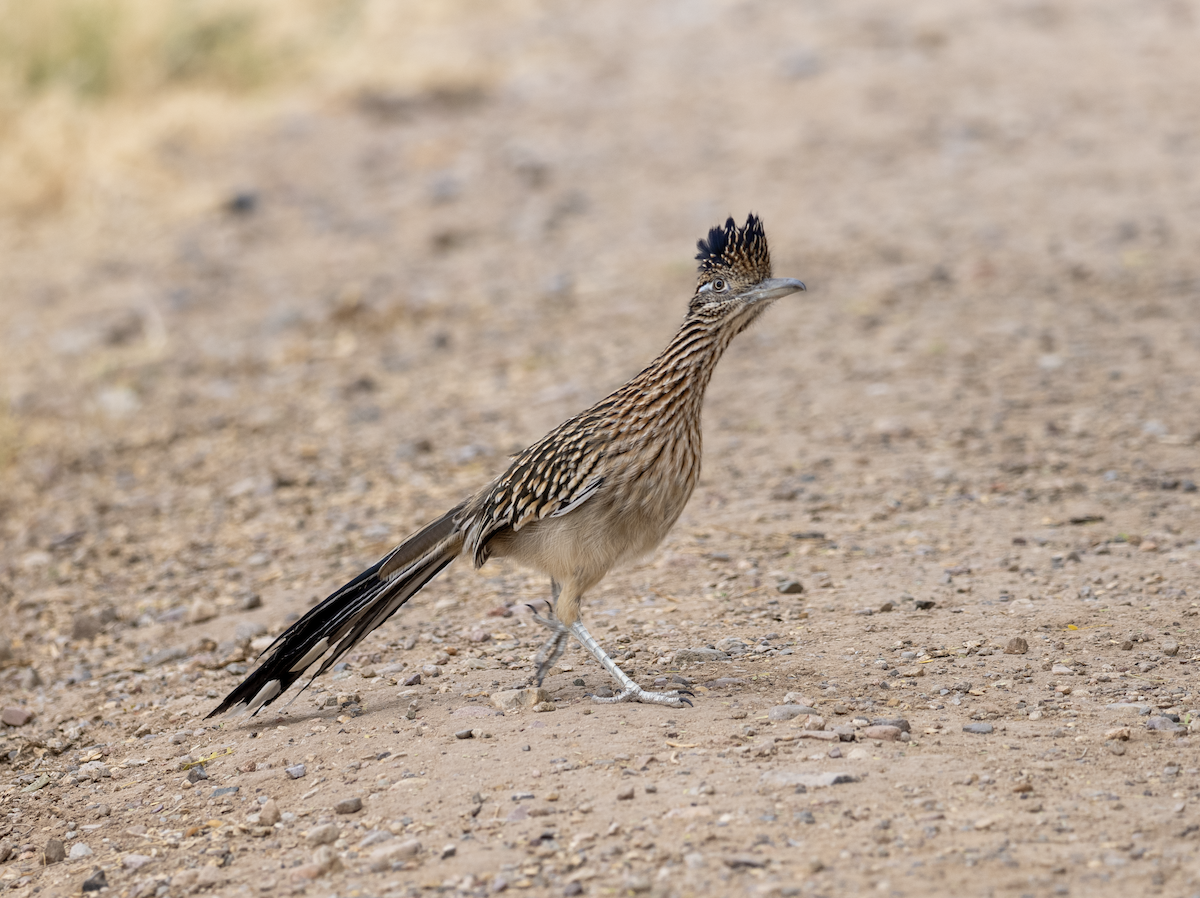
<point x="86" y="84"/>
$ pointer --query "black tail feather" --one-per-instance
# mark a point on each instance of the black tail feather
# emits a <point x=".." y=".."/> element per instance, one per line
<point x="337" y="624"/>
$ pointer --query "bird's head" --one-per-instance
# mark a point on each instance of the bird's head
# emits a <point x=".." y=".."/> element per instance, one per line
<point x="735" y="282"/>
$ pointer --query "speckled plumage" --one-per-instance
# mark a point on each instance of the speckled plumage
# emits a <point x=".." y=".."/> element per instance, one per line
<point x="602" y="488"/>
<point x="742" y="251"/>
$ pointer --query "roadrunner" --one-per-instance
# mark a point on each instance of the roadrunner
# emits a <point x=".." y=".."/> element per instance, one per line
<point x="602" y="488"/>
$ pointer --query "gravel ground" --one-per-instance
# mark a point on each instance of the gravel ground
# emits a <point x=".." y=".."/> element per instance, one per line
<point x="937" y="590"/>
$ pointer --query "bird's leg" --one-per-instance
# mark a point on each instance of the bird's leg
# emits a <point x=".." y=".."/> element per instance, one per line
<point x="630" y="691"/>
<point x="553" y="647"/>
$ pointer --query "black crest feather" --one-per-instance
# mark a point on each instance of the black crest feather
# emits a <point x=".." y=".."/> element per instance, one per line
<point x="740" y="252"/>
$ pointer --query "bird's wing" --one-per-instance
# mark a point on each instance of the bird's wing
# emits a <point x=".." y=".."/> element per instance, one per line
<point x="551" y="478"/>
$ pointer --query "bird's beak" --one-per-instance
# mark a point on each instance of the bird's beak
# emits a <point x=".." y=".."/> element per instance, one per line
<point x="774" y="288"/>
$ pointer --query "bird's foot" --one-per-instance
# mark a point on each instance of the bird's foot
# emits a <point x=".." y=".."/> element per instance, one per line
<point x="676" y="698"/>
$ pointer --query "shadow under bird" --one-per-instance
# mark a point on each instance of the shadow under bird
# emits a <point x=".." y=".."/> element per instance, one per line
<point x="602" y="488"/>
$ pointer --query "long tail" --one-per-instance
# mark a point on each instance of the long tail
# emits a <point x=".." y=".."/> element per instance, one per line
<point x="332" y="628"/>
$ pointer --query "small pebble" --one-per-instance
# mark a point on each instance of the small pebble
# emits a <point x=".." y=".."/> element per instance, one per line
<point x="431" y="670"/>
<point x="85" y="626"/>
<point x="1016" y="646"/>
<point x="305" y="872"/>
<point x="791" y="587"/>
<point x="979" y="729"/>
<point x="53" y="852"/>
<point x="95" y="882"/>
<point x="787" y="712"/>
<point x="16" y="716"/>
<point x="200" y="611"/>
<point x="465" y="734"/>
<point x="882" y="732"/>
<point x="322" y="834"/>
<point x="1169" y="647"/>
<point x="79" y="850"/>
<point x="295" y="771"/>
<point x="348" y="806"/>
<point x="412" y="680"/>
<point x="197" y="773"/>
<point x="135" y="861"/>
<point x="1165" y="724"/>
<point x="374" y="837"/>
<point x="94" y="770"/>
<point x="700" y="655"/>
<point x="269" y="814"/>
<point x="327" y="860"/>
<point x="449" y="850"/>
<point x="383" y="858"/>
<point x="625" y="794"/>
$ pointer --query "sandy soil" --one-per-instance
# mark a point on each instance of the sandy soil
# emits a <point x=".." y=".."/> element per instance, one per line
<point x="972" y="446"/>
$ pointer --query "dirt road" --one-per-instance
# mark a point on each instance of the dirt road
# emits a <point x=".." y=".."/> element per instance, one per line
<point x="936" y="592"/>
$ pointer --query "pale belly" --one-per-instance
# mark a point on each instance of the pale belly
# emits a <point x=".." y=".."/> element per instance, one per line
<point x="583" y="545"/>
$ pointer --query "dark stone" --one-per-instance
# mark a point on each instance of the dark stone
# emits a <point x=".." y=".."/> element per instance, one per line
<point x="244" y="202"/>
<point x="96" y="881"/>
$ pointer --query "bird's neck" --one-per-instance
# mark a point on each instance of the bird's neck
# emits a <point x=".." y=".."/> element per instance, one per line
<point x="684" y="368"/>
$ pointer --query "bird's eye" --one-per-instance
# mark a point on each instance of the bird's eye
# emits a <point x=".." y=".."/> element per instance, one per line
<point x="719" y="285"/>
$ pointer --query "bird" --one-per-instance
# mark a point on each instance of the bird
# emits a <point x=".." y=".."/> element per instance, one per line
<point x="601" y="489"/>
